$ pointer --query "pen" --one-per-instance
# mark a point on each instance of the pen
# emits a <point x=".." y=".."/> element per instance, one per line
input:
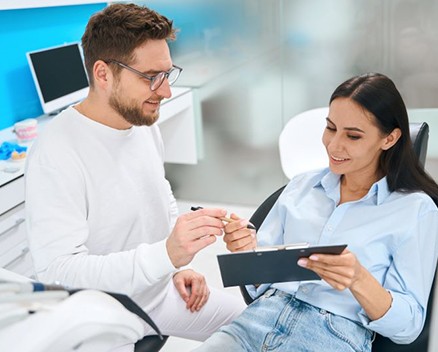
<point x="249" y="226"/>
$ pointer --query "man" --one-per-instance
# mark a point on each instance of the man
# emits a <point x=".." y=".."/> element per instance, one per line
<point x="100" y="212"/>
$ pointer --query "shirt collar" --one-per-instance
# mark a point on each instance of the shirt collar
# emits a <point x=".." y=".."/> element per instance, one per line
<point x="382" y="190"/>
<point x="330" y="183"/>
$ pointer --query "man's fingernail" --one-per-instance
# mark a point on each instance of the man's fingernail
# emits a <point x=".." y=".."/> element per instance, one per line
<point x="314" y="257"/>
<point x="243" y="222"/>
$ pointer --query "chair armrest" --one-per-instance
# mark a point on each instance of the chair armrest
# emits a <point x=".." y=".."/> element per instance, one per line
<point x="246" y="297"/>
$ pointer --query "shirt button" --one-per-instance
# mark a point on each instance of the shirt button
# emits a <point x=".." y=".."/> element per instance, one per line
<point x="304" y="289"/>
<point x="329" y="227"/>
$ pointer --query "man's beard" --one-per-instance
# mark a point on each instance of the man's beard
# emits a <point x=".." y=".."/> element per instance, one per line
<point x="131" y="113"/>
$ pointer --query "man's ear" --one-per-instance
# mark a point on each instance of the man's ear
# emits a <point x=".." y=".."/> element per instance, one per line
<point x="102" y="74"/>
<point x="391" y="139"/>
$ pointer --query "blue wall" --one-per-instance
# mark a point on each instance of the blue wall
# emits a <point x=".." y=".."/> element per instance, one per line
<point x="26" y="30"/>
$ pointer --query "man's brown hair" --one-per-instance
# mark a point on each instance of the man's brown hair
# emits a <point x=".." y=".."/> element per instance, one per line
<point x="116" y="31"/>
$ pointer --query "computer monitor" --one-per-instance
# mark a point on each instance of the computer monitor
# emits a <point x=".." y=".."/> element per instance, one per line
<point x="59" y="75"/>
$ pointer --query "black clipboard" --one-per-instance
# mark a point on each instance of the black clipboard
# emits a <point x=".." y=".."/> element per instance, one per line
<point x="278" y="264"/>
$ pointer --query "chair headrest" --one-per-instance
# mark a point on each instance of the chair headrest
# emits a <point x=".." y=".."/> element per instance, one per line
<point x="419" y="132"/>
<point x="303" y="132"/>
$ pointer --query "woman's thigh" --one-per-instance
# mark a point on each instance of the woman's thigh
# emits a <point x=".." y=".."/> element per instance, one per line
<point x="247" y="332"/>
<point x="279" y="322"/>
<point x="318" y="330"/>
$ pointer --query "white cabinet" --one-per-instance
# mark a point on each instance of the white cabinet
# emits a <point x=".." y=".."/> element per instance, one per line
<point x="178" y="128"/>
<point x="11" y="192"/>
<point x="14" y="250"/>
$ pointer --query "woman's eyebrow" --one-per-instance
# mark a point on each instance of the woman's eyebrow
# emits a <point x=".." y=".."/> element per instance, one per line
<point x="355" y="129"/>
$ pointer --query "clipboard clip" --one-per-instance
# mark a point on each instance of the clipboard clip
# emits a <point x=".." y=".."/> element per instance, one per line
<point x="282" y="247"/>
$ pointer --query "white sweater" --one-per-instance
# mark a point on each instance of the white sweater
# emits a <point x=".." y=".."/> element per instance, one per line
<point x="99" y="208"/>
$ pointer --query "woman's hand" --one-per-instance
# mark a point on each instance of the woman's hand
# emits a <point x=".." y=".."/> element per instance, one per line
<point x="237" y="236"/>
<point x="345" y="271"/>
<point x="339" y="271"/>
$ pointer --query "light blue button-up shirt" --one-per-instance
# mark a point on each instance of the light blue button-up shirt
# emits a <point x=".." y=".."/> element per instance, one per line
<point x="393" y="235"/>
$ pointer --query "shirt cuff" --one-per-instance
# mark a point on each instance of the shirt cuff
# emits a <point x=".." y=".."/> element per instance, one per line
<point x="185" y="267"/>
<point x="256" y="292"/>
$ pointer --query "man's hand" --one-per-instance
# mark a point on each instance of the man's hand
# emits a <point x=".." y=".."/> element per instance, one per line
<point x="193" y="232"/>
<point x="238" y="237"/>
<point x="193" y="289"/>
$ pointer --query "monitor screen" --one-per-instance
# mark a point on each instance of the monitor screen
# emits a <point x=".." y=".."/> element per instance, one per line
<point x="59" y="75"/>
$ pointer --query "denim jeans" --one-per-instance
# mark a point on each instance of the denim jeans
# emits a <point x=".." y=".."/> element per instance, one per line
<point x="277" y="321"/>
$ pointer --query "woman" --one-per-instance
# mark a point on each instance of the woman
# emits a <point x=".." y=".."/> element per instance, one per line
<point x="376" y="198"/>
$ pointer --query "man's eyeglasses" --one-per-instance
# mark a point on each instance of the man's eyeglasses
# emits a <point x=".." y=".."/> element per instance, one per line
<point x="157" y="80"/>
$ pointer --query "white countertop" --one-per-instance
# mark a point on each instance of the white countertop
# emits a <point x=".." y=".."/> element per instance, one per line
<point x="9" y="169"/>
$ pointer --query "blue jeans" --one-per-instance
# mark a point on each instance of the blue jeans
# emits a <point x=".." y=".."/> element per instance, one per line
<point x="277" y="321"/>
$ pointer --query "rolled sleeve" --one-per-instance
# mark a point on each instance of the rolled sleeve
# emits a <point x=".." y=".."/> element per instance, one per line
<point x="409" y="280"/>
<point x="399" y="323"/>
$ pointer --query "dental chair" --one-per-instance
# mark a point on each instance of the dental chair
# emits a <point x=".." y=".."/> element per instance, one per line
<point x="59" y="319"/>
<point x="70" y="320"/>
<point x="301" y="150"/>
<point x="150" y="344"/>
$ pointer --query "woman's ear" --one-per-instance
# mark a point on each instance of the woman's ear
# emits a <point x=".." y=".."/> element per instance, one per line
<point x="391" y="139"/>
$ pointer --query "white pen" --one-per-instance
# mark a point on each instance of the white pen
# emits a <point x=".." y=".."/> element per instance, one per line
<point x="224" y="218"/>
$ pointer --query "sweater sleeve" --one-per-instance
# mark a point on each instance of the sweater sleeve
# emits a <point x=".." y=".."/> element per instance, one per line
<point x="57" y="229"/>
<point x="174" y="212"/>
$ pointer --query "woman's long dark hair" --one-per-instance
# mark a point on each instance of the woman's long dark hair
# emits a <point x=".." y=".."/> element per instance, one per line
<point x="378" y="94"/>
